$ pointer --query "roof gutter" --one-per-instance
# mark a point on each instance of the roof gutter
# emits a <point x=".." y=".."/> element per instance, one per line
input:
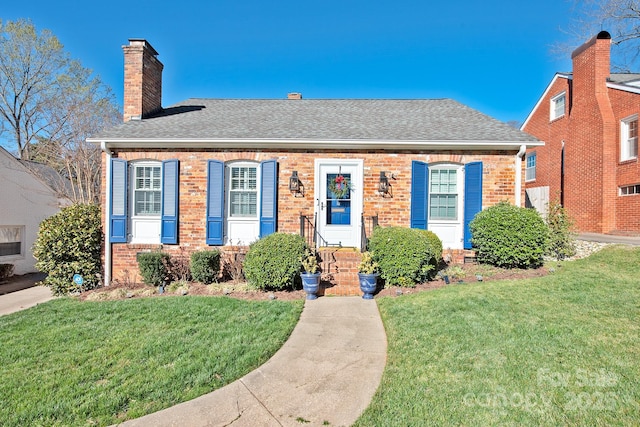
<point x="519" y="156"/>
<point x="626" y="88"/>
<point x="306" y="144"/>
<point x="107" y="222"/>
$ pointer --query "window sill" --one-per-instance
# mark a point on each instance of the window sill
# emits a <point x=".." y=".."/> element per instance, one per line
<point x="628" y="161"/>
<point x="11" y="258"/>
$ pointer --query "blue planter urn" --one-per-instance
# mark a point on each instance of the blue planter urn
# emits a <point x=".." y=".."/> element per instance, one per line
<point x="310" y="284"/>
<point x="368" y="284"/>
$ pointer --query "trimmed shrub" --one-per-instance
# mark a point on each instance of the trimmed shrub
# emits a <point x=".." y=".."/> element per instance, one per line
<point x="561" y="236"/>
<point x="205" y="266"/>
<point x="154" y="267"/>
<point x="6" y="271"/>
<point x="70" y="243"/>
<point x="436" y="245"/>
<point x="509" y="236"/>
<point x="406" y="256"/>
<point x="274" y="261"/>
<point x="179" y="266"/>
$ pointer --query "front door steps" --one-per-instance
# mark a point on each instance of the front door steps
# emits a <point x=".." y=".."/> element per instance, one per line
<point x="339" y="271"/>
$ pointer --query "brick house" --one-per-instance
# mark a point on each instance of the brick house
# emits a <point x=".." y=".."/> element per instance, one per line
<point x="224" y="172"/>
<point x="588" y="119"/>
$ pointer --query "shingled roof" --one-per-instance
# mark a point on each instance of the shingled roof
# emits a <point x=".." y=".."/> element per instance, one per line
<point x="294" y="123"/>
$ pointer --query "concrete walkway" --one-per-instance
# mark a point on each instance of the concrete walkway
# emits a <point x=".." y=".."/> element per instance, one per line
<point x="610" y="238"/>
<point x="21" y="293"/>
<point x="325" y="374"/>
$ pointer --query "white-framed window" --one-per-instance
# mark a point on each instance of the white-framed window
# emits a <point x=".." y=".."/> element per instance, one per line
<point x="11" y="241"/>
<point x="629" y="190"/>
<point x="557" y="107"/>
<point x="147" y="187"/>
<point x="243" y="191"/>
<point x="629" y="138"/>
<point x="242" y="184"/>
<point x="146" y="195"/>
<point x="443" y="193"/>
<point x="530" y="171"/>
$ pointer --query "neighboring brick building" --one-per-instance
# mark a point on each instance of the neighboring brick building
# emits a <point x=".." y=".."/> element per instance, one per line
<point x="588" y="120"/>
<point x="222" y="173"/>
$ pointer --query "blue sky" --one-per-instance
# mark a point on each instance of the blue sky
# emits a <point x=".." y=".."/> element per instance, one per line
<point x="492" y="55"/>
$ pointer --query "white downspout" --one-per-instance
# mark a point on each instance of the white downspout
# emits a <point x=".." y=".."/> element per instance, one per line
<point x="523" y="150"/>
<point x="107" y="222"/>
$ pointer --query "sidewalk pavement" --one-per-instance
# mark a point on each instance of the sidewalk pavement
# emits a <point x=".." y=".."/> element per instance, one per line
<point x="21" y="292"/>
<point x="610" y="238"/>
<point x="325" y="374"/>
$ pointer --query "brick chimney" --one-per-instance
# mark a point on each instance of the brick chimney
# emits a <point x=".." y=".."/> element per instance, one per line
<point x="592" y="144"/>
<point x="294" y="95"/>
<point x="142" y="80"/>
<point x="592" y="64"/>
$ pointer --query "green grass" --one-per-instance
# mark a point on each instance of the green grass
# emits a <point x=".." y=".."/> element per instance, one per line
<point x="559" y="350"/>
<point x="98" y="363"/>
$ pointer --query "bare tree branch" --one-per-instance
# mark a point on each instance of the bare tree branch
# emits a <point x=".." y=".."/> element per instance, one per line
<point x="50" y="104"/>
<point x="621" y="18"/>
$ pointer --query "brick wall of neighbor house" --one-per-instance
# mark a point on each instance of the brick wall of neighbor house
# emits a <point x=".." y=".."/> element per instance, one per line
<point x="548" y="157"/>
<point x="591" y="131"/>
<point x="498" y="185"/>
<point x="627" y="219"/>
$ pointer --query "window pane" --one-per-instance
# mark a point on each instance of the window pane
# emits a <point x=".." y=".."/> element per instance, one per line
<point x="559" y="106"/>
<point x="147" y="191"/>
<point x="443" y="206"/>
<point x="633" y="139"/>
<point x="10" y="248"/>
<point x="443" y="194"/>
<point x="147" y="202"/>
<point x="443" y="181"/>
<point x="10" y="241"/>
<point x="629" y="139"/>
<point x="331" y="182"/>
<point x="9" y="234"/>
<point x="243" y="204"/>
<point x="244" y="178"/>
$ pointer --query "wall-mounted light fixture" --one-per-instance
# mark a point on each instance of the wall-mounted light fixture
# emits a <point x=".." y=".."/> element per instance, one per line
<point x="383" y="184"/>
<point x="295" y="186"/>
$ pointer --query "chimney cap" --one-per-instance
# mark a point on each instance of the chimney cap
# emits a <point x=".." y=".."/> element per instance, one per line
<point x="294" y="95"/>
<point x="143" y="43"/>
<point x="602" y="35"/>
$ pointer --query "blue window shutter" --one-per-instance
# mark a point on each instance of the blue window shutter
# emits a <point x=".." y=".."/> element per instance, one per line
<point x="170" y="192"/>
<point x="118" y="213"/>
<point x="268" y="197"/>
<point x="419" y="194"/>
<point x="215" y="203"/>
<point x="472" y="197"/>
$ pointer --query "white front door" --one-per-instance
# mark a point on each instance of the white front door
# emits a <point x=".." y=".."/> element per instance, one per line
<point x="446" y="204"/>
<point x="338" y="190"/>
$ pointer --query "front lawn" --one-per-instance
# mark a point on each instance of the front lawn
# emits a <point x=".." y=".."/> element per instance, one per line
<point x="556" y="350"/>
<point x="99" y="363"/>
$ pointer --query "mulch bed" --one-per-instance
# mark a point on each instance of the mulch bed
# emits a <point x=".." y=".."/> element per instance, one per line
<point x="467" y="274"/>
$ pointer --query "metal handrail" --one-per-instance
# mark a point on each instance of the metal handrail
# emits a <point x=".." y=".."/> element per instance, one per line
<point x="309" y="230"/>
<point x="373" y="223"/>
